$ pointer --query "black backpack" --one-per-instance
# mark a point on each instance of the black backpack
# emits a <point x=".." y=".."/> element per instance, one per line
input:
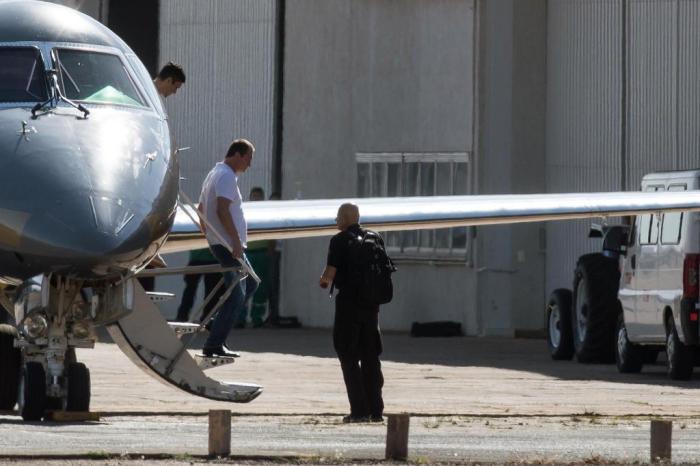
<point x="370" y="270"/>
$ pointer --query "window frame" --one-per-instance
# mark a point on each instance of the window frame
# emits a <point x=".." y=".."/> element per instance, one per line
<point x="417" y="251"/>
<point x="677" y="240"/>
<point x="39" y="55"/>
<point x="145" y="102"/>
<point x="652" y="219"/>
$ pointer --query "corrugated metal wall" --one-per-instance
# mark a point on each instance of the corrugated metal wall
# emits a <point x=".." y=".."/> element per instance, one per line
<point x="584" y="91"/>
<point x="652" y="51"/>
<point x="689" y="85"/>
<point x="227" y="48"/>
<point x="585" y="76"/>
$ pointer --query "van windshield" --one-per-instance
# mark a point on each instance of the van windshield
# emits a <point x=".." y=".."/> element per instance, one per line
<point x="95" y="77"/>
<point x="21" y="75"/>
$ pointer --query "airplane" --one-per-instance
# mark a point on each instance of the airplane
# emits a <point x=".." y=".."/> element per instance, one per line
<point x="89" y="195"/>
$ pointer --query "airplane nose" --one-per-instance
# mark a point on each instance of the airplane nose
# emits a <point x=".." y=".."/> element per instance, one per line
<point x="77" y="196"/>
<point x="83" y="234"/>
<point x="111" y="215"/>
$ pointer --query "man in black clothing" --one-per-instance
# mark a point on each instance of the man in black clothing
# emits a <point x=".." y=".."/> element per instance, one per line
<point x="356" y="336"/>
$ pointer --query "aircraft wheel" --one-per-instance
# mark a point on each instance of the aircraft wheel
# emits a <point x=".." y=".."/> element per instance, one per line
<point x="628" y="356"/>
<point x="595" y="304"/>
<point x="679" y="365"/>
<point x="78" y="398"/>
<point x="10" y="361"/>
<point x="32" y="392"/>
<point x="559" y="338"/>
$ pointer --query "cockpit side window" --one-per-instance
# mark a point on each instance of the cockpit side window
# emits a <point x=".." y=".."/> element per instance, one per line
<point x="22" y="77"/>
<point x="95" y="77"/>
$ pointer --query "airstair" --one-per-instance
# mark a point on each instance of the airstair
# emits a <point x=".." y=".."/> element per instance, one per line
<point x="161" y="349"/>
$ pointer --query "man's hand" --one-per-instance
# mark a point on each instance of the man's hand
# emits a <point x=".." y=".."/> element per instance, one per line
<point x="327" y="276"/>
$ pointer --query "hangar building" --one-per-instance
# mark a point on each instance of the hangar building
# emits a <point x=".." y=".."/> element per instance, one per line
<point x="348" y="98"/>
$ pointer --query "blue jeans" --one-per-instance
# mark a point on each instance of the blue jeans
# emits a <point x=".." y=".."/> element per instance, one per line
<point x="236" y="304"/>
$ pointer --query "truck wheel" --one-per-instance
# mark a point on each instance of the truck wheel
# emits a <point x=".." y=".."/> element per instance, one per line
<point x="679" y="365"/>
<point x="10" y="360"/>
<point x="559" y="338"/>
<point x="628" y="356"/>
<point x="32" y="392"/>
<point x="78" y="387"/>
<point x="596" y="282"/>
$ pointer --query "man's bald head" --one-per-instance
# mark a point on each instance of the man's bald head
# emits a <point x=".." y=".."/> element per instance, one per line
<point x="348" y="214"/>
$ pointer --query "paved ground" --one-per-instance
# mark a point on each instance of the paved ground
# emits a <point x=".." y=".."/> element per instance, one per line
<point x="466" y="376"/>
<point x="471" y="399"/>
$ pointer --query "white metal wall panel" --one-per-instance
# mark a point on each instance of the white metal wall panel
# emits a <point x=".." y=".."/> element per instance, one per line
<point x="227" y="48"/>
<point x="653" y="77"/>
<point x="583" y="117"/>
<point x="689" y="84"/>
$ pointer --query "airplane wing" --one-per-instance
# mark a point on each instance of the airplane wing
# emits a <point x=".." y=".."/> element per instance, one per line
<point x="307" y="218"/>
<point x="145" y="337"/>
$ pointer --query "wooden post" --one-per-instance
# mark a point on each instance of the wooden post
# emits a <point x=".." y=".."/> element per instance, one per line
<point x="660" y="444"/>
<point x="219" y="432"/>
<point x="397" y="437"/>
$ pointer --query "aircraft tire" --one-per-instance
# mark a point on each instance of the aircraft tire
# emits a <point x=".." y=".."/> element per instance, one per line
<point x="32" y="399"/>
<point x="594" y="316"/>
<point x="560" y="341"/>
<point x="78" y="398"/>
<point x="629" y="357"/>
<point x="679" y="365"/>
<point x="10" y="361"/>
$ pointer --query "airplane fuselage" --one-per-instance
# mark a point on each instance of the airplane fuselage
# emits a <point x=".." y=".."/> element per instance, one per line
<point x="84" y="196"/>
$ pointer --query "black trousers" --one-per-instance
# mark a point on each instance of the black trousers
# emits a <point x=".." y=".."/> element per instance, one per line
<point x="358" y="344"/>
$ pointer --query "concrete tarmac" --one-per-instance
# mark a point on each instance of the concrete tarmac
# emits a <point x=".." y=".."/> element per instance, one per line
<point x="471" y="399"/>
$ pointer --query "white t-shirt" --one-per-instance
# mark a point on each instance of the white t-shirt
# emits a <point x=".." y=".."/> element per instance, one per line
<point x="223" y="182"/>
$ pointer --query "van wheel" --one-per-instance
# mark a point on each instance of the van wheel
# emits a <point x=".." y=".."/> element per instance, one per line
<point x="10" y="361"/>
<point x="628" y="356"/>
<point x="559" y="338"/>
<point x="679" y="365"/>
<point x="596" y="282"/>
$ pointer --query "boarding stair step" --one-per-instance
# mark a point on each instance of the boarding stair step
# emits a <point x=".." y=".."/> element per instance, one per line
<point x="209" y="362"/>
<point x="184" y="328"/>
<point x="159" y="296"/>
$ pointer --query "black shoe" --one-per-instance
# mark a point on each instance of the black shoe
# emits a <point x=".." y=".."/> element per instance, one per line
<point x="376" y="418"/>
<point x="220" y="351"/>
<point x="350" y="419"/>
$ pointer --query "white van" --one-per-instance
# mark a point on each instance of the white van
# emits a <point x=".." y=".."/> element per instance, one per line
<point x="639" y="295"/>
<point x="659" y="283"/>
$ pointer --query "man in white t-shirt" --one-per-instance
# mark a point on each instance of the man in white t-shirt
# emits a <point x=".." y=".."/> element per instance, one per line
<point x="221" y="205"/>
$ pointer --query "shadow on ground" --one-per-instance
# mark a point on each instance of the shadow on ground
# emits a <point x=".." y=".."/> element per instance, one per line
<point x="530" y="355"/>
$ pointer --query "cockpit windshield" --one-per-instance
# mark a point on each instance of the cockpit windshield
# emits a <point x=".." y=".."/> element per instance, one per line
<point x="21" y="75"/>
<point x="95" y="77"/>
